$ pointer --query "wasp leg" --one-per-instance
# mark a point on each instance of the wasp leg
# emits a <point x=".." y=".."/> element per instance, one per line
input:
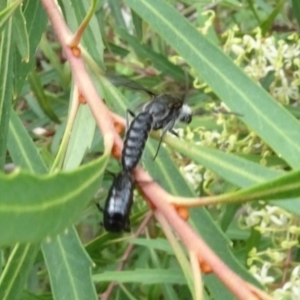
<point x="99" y="207"/>
<point x="127" y="226"/>
<point x="174" y="132"/>
<point x="127" y="117"/>
<point x="168" y="127"/>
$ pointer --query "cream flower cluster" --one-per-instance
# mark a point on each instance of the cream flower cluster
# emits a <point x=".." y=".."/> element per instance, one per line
<point x="265" y="56"/>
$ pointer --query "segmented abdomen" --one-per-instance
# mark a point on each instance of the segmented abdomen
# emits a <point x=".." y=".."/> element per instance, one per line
<point x="136" y="137"/>
<point x="118" y="203"/>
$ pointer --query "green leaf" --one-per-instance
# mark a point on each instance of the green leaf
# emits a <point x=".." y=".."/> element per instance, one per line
<point x="7" y="11"/>
<point x="41" y="97"/>
<point x="138" y="25"/>
<point x="20" y="34"/>
<point x="296" y="10"/>
<point x="158" y="244"/>
<point x="24" y="154"/>
<point x="6" y="87"/>
<point x="16" y="271"/>
<point x="159" y="61"/>
<point x="113" y="96"/>
<point x="116" y="11"/>
<point x="36" y="21"/>
<point x="30" y="296"/>
<point x="54" y="200"/>
<point x="286" y="186"/>
<point x="216" y="288"/>
<point x="142" y="276"/>
<point x="267" y="23"/>
<point x="280" y="130"/>
<point x="69" y="267"/>
<point x="51" y="55"/>
<point x="21" y="147"/>
<point x="238" y="171"/>
<point x="81" y="137"/>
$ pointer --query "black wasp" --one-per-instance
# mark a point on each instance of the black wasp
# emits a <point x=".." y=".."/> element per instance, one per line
<point x="164" y="110"/>
<point x="161" y="113"/>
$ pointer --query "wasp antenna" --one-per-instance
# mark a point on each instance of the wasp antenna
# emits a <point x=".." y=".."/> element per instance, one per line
<point x="224" y="112"/>
<point x="233" y="113"/>
<point x="186" y="84"/>
<point x="200" y="112"/>
<point x="128" y="111"/>
<point x="186" y="78"/>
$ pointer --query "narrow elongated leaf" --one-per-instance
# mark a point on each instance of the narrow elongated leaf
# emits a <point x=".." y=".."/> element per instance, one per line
<point x="147" y="276"/>
<point x="36" y="21"/>
<point x="41" y="97"/>
<point x="7" y="11"/>
<point x="21" y="147"/>
<point x="296" y="10"/>
<point x="286" y="186"/>
<point x="54" y="60"/>
<point x="279" y="129"/>
<point x="6" y="86"/>
<point x="158" y="243"/>
<point x="146" y="53"/>
<point x="26" y="295"/>
<point x="266" y="24"/>
<point x="116" y="10"/>
<point x="138" y="25"/>
<point x="16" y="271"/>
<point x="54" y="200"/>
<point x="81" y="137"/>
<point x="69" y="267"/>
<point x="25" y="155"/>
<point x="216" y="288"/>
<point x="20" y="34"/>
<point x="113" y="96"/>
<point x="240" y="172"/>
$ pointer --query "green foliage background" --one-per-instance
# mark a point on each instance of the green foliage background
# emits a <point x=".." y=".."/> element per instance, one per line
<point x="39" y="206"/>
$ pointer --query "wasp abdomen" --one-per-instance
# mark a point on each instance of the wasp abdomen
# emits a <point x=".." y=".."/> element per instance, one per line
<point x="118" y="203"/>
<point x="135" y="140"/>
